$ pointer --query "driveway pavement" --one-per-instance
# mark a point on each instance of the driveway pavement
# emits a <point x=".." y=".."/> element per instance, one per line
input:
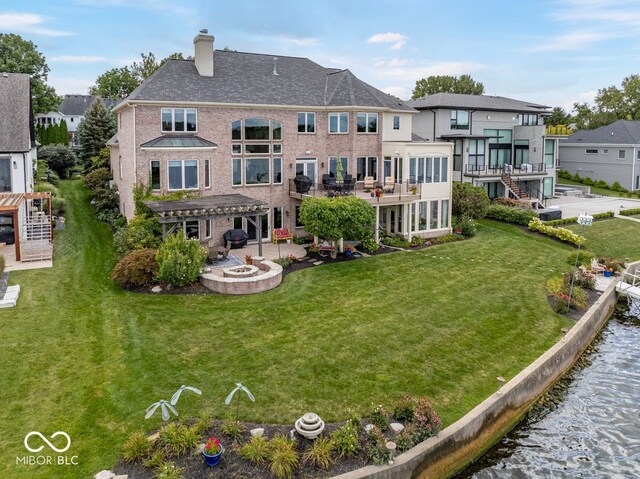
<point x="574" y="205"/>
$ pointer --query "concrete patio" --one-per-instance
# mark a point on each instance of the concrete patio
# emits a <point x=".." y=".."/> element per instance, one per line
<point x="9" y="253"/>
<point x="575" y="205"/>
<point x="271" y="251"/>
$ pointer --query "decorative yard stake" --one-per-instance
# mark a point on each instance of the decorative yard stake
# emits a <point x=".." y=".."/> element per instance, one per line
<point x="176" y="395"/>
<point x="164" y="406"/>
<point x="239" y="387"/>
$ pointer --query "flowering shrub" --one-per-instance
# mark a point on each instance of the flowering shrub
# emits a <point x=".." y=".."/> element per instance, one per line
<point x="425" y="419"/>
<point x="285" y="262"/>
<point x="379" y="418"/>
<point x="179" y="260"/>
<point x="562" y="234"/>
<point x="212" y="447"/>
<point x="314" y="248"/>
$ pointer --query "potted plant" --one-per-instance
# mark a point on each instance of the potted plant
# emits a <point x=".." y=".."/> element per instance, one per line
<point x="378" y="192"/>
<point x="212" y="451"/>
<point x="414" y="190"/>
<point x="248" y="259"/>
<point x="349" y="250"/>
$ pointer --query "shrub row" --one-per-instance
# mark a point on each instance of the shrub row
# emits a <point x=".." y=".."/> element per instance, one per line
<point x="574" y="219"/>
<point x="510" y="214"/>
<point x="630" y="212"/>
<point x="562" y="234"/>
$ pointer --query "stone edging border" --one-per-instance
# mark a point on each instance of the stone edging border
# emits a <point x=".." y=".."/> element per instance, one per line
<point x="465" y="440"/>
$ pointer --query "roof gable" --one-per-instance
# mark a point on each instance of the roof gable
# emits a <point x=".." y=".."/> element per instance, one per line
<point x="15" y="105"/>
<point x="77" y="105"/>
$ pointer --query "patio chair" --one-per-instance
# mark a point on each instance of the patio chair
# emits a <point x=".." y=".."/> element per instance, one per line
<point x="596" y="267"/>
<point x="389" y="184"/>
<point x="368" y="183"/>
<point x="223" y="251"/>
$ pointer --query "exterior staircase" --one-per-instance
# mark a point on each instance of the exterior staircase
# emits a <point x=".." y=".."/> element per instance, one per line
<point x="519" y="192"/>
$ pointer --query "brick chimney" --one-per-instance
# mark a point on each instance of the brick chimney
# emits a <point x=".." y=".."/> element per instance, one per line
<point x="204" y="53"/>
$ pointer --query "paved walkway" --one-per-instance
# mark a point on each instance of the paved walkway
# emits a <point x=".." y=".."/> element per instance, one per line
<point x="9" y="253"/>
<point x="575" y="205"/>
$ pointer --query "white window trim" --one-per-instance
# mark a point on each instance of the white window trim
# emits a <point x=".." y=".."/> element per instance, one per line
<point x="367" y="132"/>
<point x="306" y="123"/>
<point x="207" y="226"/>
<point x="173" y="120"/>
<point x="182" y="172"/>
<point x="233" y="160"/>
<point x="338" y="123"/>
<point x="366" y="167"/>
<point x="150" y="172"/>
<point x="273" y="159"/>
<point x="207" y="173"/>
<point x="269" y="161"/>
<point x="624" y="154"/>
<point x="393" y="122"/>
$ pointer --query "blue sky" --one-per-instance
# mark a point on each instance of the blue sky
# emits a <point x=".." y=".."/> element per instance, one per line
<point x="554" y="52"/>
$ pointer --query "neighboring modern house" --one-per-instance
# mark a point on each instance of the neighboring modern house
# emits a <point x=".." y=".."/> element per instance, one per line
<point x="18" y="203"/>
<point x="236" y="129"/>
<point x="499" y="143"/>
<point x="72" y="110"/>
<point x="610" y="153"/>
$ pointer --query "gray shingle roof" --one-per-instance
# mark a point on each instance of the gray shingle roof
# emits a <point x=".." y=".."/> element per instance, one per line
<point x="248" y="78"/>
<point x="76" y="105"/>
<point x="481" y="102"/>
<point x="622" y="132"/>
<point x="15" y="105"/>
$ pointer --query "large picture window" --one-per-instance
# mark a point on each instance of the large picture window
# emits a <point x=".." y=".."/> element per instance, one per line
<point x="237" y="171"/>
<point x="429" y="170"/>
<point x="476" y="155"/>
<point x="521" y="149"/>
<point x="183" y="174"/>
<point x="339" y="122"/>
<point x="367" y="122"/>
<point x="179" y="119"/>
<point x="256" y="171"/>
<point x="333" y="165"/>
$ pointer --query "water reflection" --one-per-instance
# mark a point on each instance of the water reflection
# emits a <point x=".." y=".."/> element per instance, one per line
<point x="595" y="430"/>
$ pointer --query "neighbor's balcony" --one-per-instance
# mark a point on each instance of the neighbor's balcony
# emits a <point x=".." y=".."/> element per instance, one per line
<point x="398" y="192"/>
<point x="526" y="169"/>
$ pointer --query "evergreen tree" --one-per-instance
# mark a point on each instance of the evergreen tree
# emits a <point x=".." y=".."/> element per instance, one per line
<point x="63" y="133"/>
<point x="98" y="126"/>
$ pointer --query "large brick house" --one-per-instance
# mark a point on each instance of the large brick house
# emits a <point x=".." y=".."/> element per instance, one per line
<point x="237" y="128"/>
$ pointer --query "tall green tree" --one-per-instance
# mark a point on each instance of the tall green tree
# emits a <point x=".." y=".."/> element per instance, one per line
<point x="120" y="82"/>
<point x="447" y="84"/>
<point x="21" y="56"/>
<point x="58" y="157"/>
<point x="558" y="117"/>
<point x="611" y="104"/>
<point x="98" y="126"/>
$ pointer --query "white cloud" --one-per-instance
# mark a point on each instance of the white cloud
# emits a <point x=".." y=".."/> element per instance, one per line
<point x="588" y="97"/>
<point x="398" y="39"/>
<point x="298" y="41"/>
<point x="571" y="41"/>
<point x="70" y="85"/>
<point x="167" y="6"/>
<point x="399" y="91"/>
<point x="27" y="23"/>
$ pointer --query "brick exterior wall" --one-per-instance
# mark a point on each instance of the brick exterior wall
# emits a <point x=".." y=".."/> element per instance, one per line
<point x="214" y="124"/>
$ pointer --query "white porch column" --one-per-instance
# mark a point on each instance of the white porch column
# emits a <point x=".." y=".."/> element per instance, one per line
<point x="408" y="216"/>
<point x="376" y="233"/>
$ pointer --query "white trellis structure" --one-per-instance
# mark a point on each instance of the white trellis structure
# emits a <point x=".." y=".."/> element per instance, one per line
<point x="31" y="213"/>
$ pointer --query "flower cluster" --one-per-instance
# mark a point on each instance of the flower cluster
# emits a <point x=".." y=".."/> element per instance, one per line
<point x="562" y="234"/>
<point x="212" y="447"/>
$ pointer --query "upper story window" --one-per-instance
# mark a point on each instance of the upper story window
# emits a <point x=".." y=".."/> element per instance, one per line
<point x="306" y="122"/>
<point x="339" y="122"/>
<point x="367" y="122"/>
<point x="396" y="122"/>
<point x="622" y="154"/>
<point x="459" y="120"/>
<point x="527" y="119"/>
<point x="591" y="151"/>
<point x="179" y="119"/>
<point x="428" y="170"/>
<point x="256" y="129"/>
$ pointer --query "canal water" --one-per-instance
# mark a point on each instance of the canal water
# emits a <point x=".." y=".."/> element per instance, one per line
<point x="588" y="426"/>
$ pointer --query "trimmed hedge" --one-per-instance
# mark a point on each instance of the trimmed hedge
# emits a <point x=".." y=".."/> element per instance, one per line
<point x="574" y="219"/>
<point x="630" y="212"/>
<point x="510" y="215"/>
<point x="562" y="234"/>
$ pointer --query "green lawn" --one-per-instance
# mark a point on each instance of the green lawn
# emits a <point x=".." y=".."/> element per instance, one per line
<point x="617" y="238"/>
<point x="82" y="356"/>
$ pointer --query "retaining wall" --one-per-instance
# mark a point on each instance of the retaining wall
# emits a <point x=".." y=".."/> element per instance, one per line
<point x="468" y="438"/>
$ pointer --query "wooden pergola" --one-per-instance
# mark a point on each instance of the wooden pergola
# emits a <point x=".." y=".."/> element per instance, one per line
<point x="11" y="202"/>
<point x="209" y="207"/>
